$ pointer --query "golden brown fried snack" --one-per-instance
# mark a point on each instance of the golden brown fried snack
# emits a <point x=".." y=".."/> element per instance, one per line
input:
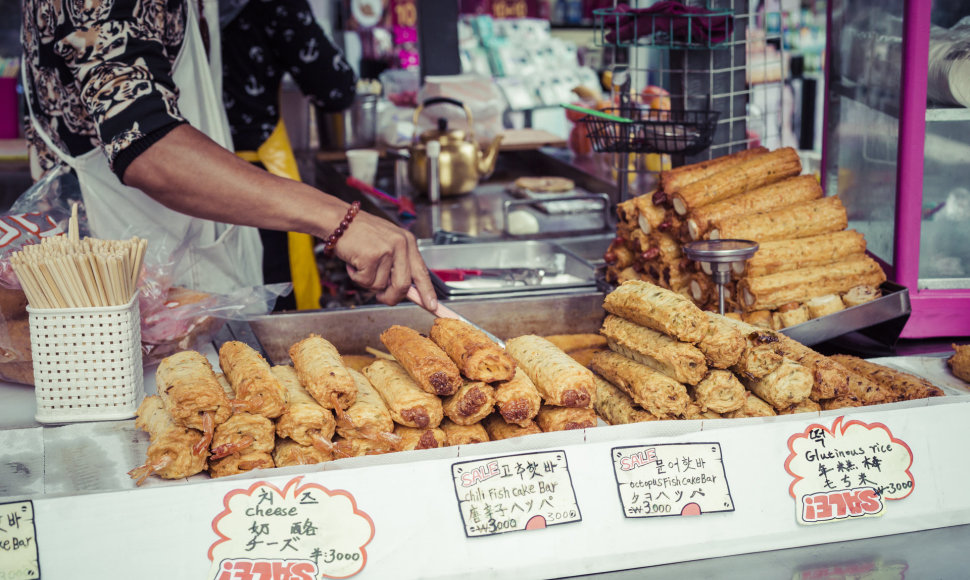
<point x="753" y="407"/>
<point x="959" y="363"/>
<point x="456" y="434"/>
<point x="412" y="438"/>
<point x="565" y="418"/>
<point x="806" y="406"/>
<point x="191" y="393"/>
<point x="584" y="356"/>
<point x="357" y="362"/>
<point x="304" y="421"/>
<point x="570" y="342"/>
<point x="789" y="384"/>
<point x="616" y="407"/>
<point x="904" y="385"/>
<point x="170" y="454"/>
<point x="655" y="392"/>
<point x="680" y="361"/>
<point x="427" y="364"/>
<point x="368" y="417"/>
<point x="408" y="403"/>
<point x="322" y="372"/>
<point x="237" y="463"/>
<point x="695" y="412"/>
<point x="662" y="310"/>
<point x="723" y="345"/>
<point x="288" y="452"/>
<point x="473" y="402"/>
<point x="802" y="220"/>
<point x="498" y="429"/>
<point x="774" y="290"/>
<point x="824" y="305"/>
<point x="476" y="356"/>
<point x="252" y="380"/>
<point x="359" y="446"/>
<point x="796" y="253"/>
<point x="243" y="434"/>
<point x="720" y="391"/>
<point x="518" y="400"/>
<point x="841" y="402"/>
<point x="559" y="379"/>
<point x="673" y="180"/>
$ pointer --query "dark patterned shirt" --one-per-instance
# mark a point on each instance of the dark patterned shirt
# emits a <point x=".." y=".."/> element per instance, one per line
<point x="100" y="73"/>
<point x="265" y="40"/>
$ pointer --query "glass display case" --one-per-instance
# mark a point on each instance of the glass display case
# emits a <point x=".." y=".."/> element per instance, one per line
<point x="897" y="145"/>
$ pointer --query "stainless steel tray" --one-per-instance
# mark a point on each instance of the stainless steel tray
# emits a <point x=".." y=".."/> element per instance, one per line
<point x="352" y="330"/>
<point x="888" y="314"/>
<point x="564" y="270"/>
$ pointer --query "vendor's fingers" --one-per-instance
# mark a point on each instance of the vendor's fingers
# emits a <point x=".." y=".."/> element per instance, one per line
<point x="420" y="277"/>
<point x="400" y="276"/>
<point x="373" y="275"/>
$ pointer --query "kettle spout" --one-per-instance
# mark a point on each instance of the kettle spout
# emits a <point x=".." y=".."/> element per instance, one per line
<point x="487" y="159"/>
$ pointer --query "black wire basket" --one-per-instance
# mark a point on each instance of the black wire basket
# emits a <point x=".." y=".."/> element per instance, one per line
<point x="652" y="131"/>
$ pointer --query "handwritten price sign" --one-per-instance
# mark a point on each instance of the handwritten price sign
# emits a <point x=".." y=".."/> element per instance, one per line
<point x="18" y="541"/>
<point x="514" y="493"/>
<point x="307" y="531"/>
<point x="847" y="471"/>
<point x="676" y="479"/>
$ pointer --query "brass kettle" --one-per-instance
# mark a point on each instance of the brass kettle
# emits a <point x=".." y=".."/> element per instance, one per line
<point x="461" y="164"/>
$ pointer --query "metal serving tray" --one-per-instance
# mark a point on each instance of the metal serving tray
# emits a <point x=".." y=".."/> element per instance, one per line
<point x="563" y="269"/>
<point x="352" y="330"/>
<point x="882" y="318"/>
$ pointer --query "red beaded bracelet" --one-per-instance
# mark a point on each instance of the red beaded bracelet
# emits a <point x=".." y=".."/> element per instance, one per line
<point x="331" y="245"/>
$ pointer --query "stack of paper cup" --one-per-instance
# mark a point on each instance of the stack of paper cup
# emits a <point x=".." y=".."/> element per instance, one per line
<point x="363" y="164"/>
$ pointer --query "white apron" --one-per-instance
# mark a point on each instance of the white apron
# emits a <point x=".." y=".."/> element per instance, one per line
<point x="218" y="257"/>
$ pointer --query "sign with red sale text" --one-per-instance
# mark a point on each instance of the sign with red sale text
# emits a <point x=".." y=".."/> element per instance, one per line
<point x="302" y="532"/>
<point x="847" y="471"/>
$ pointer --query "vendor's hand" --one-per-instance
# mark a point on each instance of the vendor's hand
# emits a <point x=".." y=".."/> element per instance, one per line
<point x="385" y="258"/>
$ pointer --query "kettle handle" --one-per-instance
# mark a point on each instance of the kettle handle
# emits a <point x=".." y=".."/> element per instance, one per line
<point x="444" y="101"/>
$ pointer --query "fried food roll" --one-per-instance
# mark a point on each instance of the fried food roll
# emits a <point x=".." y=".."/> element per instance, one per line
<point x="170" y="454"/>
<point x="662" y="310"/>
<point x="867" y="391"/>
<point x="191" y="394"/>
<point x="618" y="256"/>
<point x="616" y="407"/>
<point x="802" y="220"/>
<point x="243" y="434"/>
<point x="584" y="356"/>
<point x="720" y="391"/>
<point x="723" y="345"/>
<point x="774" y="290"/>
<point x="407" y="402"/>
<point x="653" y="391"/>
<point x="759" y="318"/>
<point x="797" y="253"/>
<point x="476" y="356"/>
<point x="770" y="197"/>
<point x="790" y="316"/>
<point x="357" y="362"/>
<point x="236" y="463"/>
<point x="787" y="385"/>
<point x="655" y="246"/>
<point x="473" y="402"/>
<point x="680" y="361"/>
<point x="674" y="179"/>
<point x="427" y="364"/>
<point x="959" y="363"/>
<point x="806" y="406"/>
<point x="412" y="438"/>
<point x="344" y="447"/>
<point x="322" y="372"/>
<point x="456" y="434"/>
<point x="251" y="379"/>
<point x="565" y="418"/>
<point x="560" y="380"/>
<point x="752" y="173"/>
<point x="861" y="294"/>
<point x="695" y="411"/>
<point x="498" y="429"/>
<point x="757" y="361"/>
<point x="640" y="213"/>
<point x="904" y="385"/>
<point x="570" y="342"/>
<point x="304" y="421"/>
<point x="288" y="452"/>
<point x="368" y="417"/>
<point x="753" y="407"/>
<point x="702" y="288"/>
<point x="824" y="305"/>
<point x="518" y="400"/>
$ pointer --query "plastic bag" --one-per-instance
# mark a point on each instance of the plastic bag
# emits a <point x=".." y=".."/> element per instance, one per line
<point x="479" y="93"/>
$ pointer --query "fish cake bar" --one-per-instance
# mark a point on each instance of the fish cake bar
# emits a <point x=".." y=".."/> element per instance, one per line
<point x="560" y="380"/>
<point x="236" y="463"/>
<point x="789" y="384"/>
<point x="723" y="345"/>
<point x="753" y="407"/>
<point x="473" y="402"/>
<point x="680" y="361"/>
<point x="659" y="309"/>
<point x="518" y="400"/>
<point x="189" y="390"/>
<point x="427" y="364"/>
<point x="408" y="403"/>
<point x="304" y="419"/>
<point x="288" y="452"/>
<point x="412" y="438"/>
<point x="616" y="407"/>
<point x="252" y="380"/>
<point x="242" y="426"/>
<point x="170" y="454"/>
<point x="477" y="357"/>
<point x="904" y="385"/>
<point x="322" y="372"/>
<point x="653" y="391"/>
<point x="456" y="434"/>
<point x="369" y="415"/>
<point x="498" y="429"/>
<point x="565" y="418"/>
<point x="720" y="391"/>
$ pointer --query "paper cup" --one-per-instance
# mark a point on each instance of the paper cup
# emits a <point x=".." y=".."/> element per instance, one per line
<point x="363" y="164"/>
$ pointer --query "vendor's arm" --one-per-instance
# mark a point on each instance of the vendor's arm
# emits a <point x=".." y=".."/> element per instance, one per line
<point x="190" y="173"/>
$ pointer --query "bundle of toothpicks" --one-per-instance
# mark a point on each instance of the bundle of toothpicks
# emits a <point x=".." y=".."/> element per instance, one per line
<point x="67" y="272"/>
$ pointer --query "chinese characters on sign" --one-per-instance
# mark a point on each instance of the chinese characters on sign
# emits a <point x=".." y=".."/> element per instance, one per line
<point x="846" y="471"/>
<point x="676" y="479"/>
<point x="515" y="492"/>
<point x="18" y="541"/>
<point x="269" y="533"/>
